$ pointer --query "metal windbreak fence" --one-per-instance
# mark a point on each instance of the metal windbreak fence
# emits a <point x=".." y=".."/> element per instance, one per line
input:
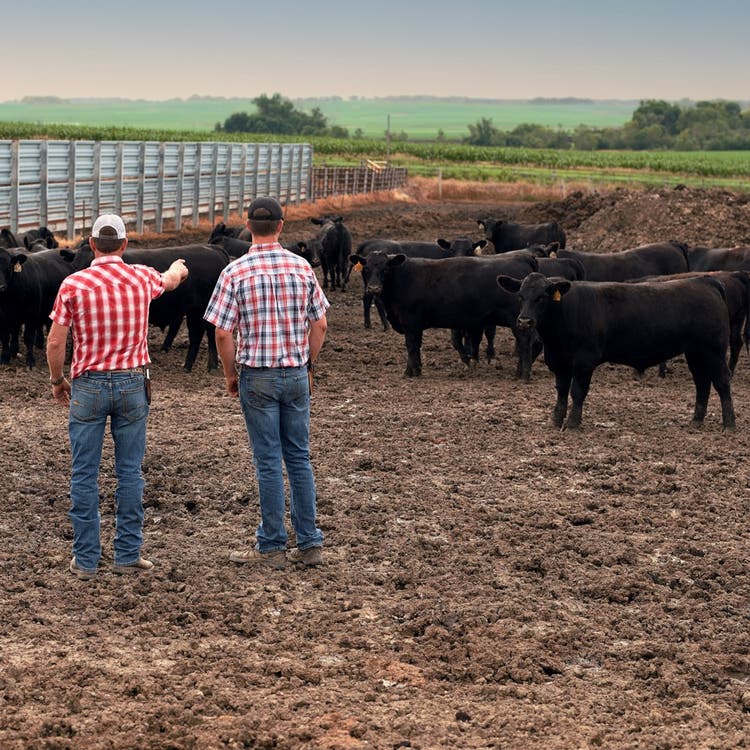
<point x="64" y="185"/>
<point x="368" y="178"/>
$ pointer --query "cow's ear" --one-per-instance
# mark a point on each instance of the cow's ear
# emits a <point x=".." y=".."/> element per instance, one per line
<point x="317" y="221"/>
<point x="553" y="247"/>
<point x="355" y="259"/>
<point x="302" y="245"/>
<point x="481" y="223"/>
<point x="443" y="243"/>
<point x="508" y="283"/>
<point x="479" y="245"/>
<point x="337" y="219"/>
<point x="557" y="289"/>
<point x="395" y="260"/>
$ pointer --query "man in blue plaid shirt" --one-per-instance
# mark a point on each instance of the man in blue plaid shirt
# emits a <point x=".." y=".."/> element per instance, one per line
<point x="272" y="298"/>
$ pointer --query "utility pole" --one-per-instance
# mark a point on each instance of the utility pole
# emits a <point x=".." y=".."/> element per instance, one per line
<point x="388" y="140"/>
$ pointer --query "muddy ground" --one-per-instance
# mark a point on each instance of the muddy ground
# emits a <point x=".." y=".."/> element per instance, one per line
<point x="491" y="582"/>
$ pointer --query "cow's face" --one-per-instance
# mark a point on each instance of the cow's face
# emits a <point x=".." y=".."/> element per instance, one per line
<point x="462" y="247"/>
<point x="49" y="238"/>
<point x="537" y="293"/>
<point x="10" y="263"/>
<point x="489" y="226"/>
<point x="375" y="269"/>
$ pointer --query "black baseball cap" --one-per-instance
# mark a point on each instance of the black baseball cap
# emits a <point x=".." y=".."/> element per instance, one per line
<point x="265" y="209"/>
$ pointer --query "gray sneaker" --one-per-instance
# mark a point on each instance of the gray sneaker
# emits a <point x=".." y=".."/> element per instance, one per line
<point x="84" y="575"/>
<point x="309" y="557"/>
<point x="275" y="559"/>
<point x="141" y="565"/>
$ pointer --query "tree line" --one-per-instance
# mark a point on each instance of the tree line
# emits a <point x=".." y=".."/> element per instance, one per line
<point x="655" y="125"/>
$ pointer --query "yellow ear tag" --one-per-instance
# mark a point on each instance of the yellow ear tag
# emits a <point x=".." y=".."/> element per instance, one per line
<point x="357" y="266"/>
<point x="556" y="296"/>
<point x="17" y="267"/>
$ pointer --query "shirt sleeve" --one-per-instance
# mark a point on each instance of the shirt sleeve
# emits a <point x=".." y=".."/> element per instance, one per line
<point x="223" y="310"/>
<point x="61" y="311"/>
<point x="318" y="303"/>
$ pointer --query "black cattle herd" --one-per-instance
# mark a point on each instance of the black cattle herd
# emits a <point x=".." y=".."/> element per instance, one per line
<point x="638" y="307"/>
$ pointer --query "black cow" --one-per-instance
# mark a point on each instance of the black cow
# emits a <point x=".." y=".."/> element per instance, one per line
<point x="29" y="283"/>
<point x="35" y="237"/>
<point x="236" y="248"/>
<point x="656" y="259"/>
<point x="718" y="258"/>
<point x="332" y="245"/>
<point x="441" y="248"/>
<point x="188" y="301"/>
<point x="455" y="293"/>
<point x="737" y="288"/>
<point x="508" y="235"/>
<point x="222" y="230"/>
<point x="583" y="324"/>
<point x="8" y="240"/>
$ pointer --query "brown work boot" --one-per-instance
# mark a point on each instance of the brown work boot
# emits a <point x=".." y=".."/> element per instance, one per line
<point x="84" y="575"/>
<point x="309" y="557"/>
<point x="275" y="559"/>
<point x="141" y="565"/>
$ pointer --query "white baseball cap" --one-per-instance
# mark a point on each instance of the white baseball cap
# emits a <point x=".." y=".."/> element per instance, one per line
<point x="114" y="222"/>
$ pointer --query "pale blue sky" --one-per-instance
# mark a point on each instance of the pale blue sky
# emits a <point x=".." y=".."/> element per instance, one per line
<point x="150" y="49"/>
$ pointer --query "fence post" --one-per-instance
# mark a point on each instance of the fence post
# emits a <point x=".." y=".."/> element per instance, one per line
<point x="179" y="186"/>
<point x="139" y="218"/>
<point x="44" y="184"/>
<point x="118" y="178"/>
<point x="160" y="190"/>
<point x="228" y="181"/>
<point x="71" y="218"/>
<point x="241" y="190"/>
<point x="197" y="183"/>
<point x="300" y="160"/>
<point x="14" y="171"/>
<point x="96" y="186"/>
<point x="212" y="188"/>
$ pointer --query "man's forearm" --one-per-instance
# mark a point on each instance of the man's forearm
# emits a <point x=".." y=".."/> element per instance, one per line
<point x="225" y="350"/>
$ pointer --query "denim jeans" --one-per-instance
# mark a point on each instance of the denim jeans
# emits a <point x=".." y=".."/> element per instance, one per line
<point x="94" y="397"/>
<point x="276" y="406"/>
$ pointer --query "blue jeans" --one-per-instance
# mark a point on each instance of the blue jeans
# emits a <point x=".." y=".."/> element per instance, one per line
<point x="276" y="406"/>
<point x="94" y="397"/>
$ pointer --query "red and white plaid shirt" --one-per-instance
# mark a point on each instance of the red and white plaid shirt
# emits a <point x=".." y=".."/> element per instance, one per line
<point x="270" y="295"/>
<point x="107" y="307"/>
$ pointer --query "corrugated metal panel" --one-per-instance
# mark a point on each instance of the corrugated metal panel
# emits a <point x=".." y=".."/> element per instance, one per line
<point x="69" y="179"/>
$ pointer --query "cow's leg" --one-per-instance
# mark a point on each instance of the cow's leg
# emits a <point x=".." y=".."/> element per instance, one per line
<point x="367" y="298"/>
<point x="523" y="339"/>
<point x="213" y="355"/>
<point x="721" y="379"/>
<point x="380" y="307"/>
<point x="474" y="339"/>
<point x="29" y="336"/>
<point x="196" y="329"/>
<point x="172" y="330"/>
<point x="735" y="347"/>
<point x="702" y="381"/>
<point x="413" y="353"/>
<point x="489" y="334"/>
<point x="578" y="390"/>
<point x="457" y="342"/>
<point x="562" y="385"/>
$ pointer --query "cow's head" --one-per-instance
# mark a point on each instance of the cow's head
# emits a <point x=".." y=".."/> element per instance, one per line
<point x="48" y="238"/>
<point x="10" y="263"/>
<point x="375" y="269"/>
<point x="462" y="247"/>
<point x="306" y="250"/>
<point x="219" y="231"/>
<point x="488" y="225"/>
<point x="537" y="293"/>
<point x="7" y="238"/>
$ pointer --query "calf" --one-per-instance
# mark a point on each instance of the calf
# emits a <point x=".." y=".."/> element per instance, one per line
<point x="222" y="230"/>
<point x="508" y="235"/>
<point x="333" y="245"/>
<point x="656" y="259"/>
<point x="29" y="283"/>
<point x="584" y="324"/>
<point x="455" y="293"/>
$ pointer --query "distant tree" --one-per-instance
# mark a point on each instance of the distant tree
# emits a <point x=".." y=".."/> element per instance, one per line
<point x="359" y="133"/>
<point x="483" y="133"/>
<point x="656" y="112"/>
<point x="440" y="136"/>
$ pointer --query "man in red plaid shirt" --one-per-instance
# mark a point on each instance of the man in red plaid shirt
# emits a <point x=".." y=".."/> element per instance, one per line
<point x="273" y="299"/>
<point x="106" y="307"/>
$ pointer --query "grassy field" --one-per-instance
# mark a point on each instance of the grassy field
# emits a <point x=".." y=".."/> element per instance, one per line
<point x="419" y="118"/>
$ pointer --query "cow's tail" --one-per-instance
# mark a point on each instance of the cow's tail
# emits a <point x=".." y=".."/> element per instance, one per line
<point x="746" y="332"/>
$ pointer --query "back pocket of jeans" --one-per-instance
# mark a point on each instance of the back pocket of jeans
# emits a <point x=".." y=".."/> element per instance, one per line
<point x="84" y="404"/>
<point x="134" y="404"/>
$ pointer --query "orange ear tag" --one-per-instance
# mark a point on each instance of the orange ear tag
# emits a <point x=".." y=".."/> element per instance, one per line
<point x="357" y="266"/>
<point x="556" y="296"/>
<point x="17" y="268"/>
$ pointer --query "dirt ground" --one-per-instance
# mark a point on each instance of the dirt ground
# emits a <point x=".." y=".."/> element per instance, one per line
<point x="491" y="582"/>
